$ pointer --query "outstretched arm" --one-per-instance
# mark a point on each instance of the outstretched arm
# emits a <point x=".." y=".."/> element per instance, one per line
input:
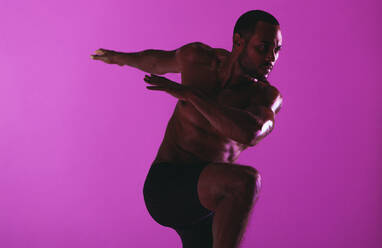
<point x="151" y="61"/>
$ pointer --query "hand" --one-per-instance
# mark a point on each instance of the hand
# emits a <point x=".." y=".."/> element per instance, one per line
<point x="179" y="91"/>
<point x="107" y="56"/>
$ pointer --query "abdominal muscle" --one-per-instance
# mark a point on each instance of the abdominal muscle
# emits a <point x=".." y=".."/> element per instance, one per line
<point x="190" y="138"/>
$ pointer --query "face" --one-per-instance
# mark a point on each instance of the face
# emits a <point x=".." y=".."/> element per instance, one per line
<point x="261" y="51"/>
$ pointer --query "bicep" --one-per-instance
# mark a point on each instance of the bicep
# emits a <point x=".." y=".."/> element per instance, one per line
<point x="167" y="63"/>
<point x="173" y="61"/>
<point x="195" y="53"/>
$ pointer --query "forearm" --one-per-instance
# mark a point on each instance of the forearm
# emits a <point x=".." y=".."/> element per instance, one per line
<point x="150" y="61"/>
<point x="236" y="124"/>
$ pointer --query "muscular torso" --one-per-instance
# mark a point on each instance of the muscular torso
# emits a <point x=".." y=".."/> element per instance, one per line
<point x="189" y="137"/>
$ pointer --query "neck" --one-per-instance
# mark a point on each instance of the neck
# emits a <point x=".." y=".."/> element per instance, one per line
<point x="232" y="74"/>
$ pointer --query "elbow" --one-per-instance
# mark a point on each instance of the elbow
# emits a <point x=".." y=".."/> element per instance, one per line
<point x="250" y="140"/>
<point x="153" y="68"/>
<point x="248" y="137"/>
<point x="253" y="138"/>
<point x="256" y="135"/>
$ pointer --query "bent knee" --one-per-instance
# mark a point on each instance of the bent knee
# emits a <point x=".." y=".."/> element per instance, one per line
<point x="249" y="185"/>
<point x="251" y="171"/>
<point x="218" y="181"/>
<point x="256" y="177"/>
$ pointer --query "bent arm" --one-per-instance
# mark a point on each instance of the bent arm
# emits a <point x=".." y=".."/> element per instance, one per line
<point x="246" y="127"/>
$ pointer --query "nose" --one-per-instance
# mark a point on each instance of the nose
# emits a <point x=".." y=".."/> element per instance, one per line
<point x="271" y="56"/>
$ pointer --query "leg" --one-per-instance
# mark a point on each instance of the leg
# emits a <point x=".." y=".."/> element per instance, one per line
<point x="198" y="235"/>
<point x="171" y="198"/>
<point x="230" y="191"/>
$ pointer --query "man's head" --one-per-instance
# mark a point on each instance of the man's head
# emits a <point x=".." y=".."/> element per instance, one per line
<point x="256" y="42"/>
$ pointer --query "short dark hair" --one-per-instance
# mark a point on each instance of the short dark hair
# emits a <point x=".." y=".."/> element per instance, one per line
<point x="246" y="24"/>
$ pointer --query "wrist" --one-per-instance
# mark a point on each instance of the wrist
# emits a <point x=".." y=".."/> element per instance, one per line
<point x="121" y="58"/>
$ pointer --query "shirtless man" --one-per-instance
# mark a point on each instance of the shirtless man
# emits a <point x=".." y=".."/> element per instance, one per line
<point x="225" y="105"/>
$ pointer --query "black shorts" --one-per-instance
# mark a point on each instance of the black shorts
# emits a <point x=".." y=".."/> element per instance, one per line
<point x="171" y="195"/>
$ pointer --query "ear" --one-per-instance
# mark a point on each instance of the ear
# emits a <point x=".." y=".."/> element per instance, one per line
<point x="238" y="42"/>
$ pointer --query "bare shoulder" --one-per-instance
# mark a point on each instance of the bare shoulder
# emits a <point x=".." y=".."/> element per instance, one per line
<point x="199" y="53"/>
<point x="221" y="52"/>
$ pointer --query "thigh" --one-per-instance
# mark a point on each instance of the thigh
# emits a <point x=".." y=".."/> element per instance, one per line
<point x="198" y="235"/>
<point x="218" y="180"/>
<point x="171" y="197"/>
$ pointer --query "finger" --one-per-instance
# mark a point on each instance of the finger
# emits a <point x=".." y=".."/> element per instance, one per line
<point x="154" y="79"/>
<point x="163" y="80"/>
<point x="155" y="76"/>
<point x="149" y="80"/>
<point x="155" y="88"/>
<point x="100" y="51"/>
<point x="99" y="57"/>
<point x="95" y="56"/>
<point x="160" y="79"/>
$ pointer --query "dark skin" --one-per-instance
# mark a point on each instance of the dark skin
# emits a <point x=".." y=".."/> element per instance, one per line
<point x="225" y="102"/>
<point x="225" y="105"/>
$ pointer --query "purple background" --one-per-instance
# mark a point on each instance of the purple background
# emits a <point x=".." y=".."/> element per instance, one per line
<point x="77" y="136"/>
